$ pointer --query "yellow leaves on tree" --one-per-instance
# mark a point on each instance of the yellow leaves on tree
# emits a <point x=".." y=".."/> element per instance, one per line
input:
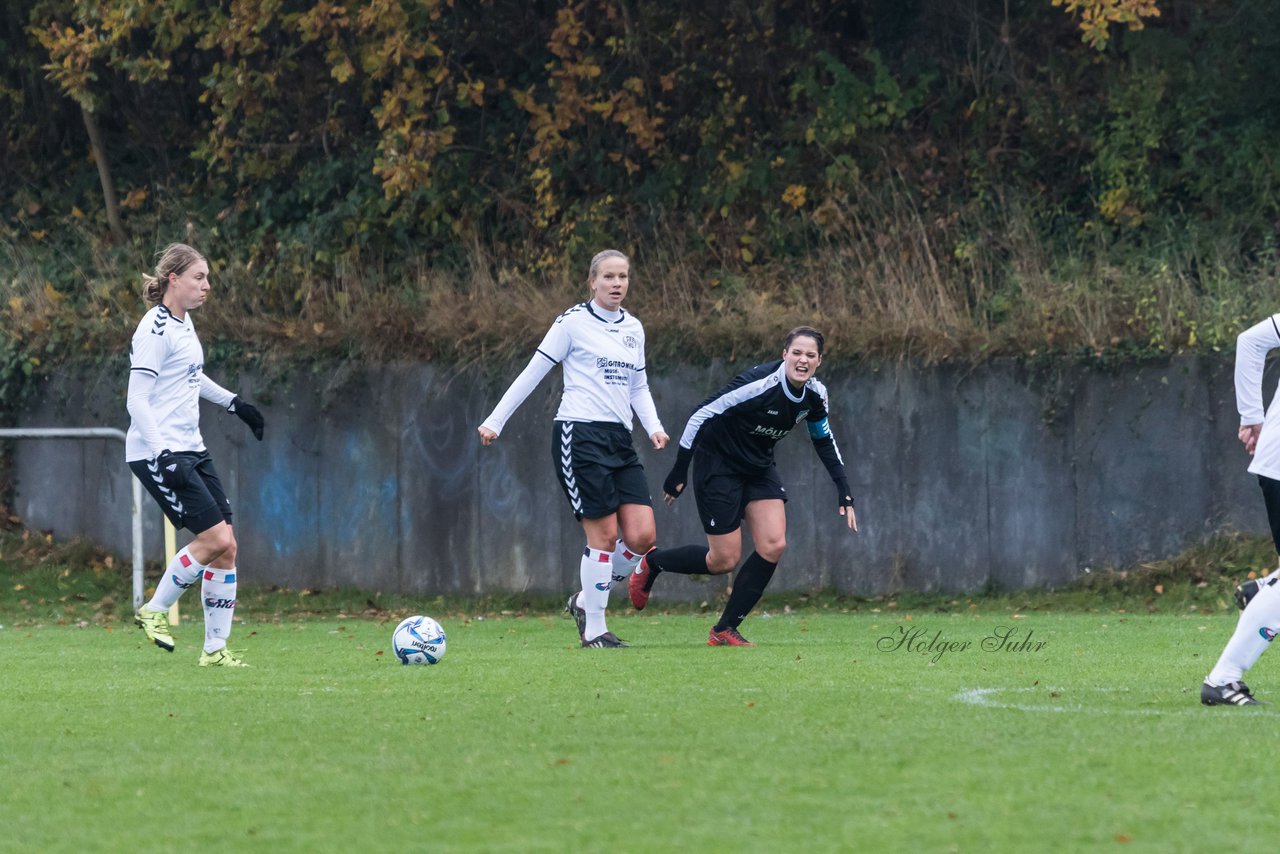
<point x="795" y="195"/>
<point x="1096" y="16"/>
<point x="579" y="96"/>
<point x="404" y="56"/>
<point x="96" y="34"/>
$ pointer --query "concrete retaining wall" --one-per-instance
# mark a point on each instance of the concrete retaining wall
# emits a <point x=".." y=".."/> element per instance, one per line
<point x="965" y="477"/>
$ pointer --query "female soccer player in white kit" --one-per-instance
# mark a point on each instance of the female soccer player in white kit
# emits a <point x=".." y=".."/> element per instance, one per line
<point x="601" y="349"/>
<point x="166" y="452"/>
<point x="1260" y="433"/>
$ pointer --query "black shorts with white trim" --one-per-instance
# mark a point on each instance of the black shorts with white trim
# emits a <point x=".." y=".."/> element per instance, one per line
<point x="597" y="467"/>
<point x="197" y="505"/>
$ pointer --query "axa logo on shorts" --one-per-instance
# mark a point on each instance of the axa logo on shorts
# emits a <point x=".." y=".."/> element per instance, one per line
<point x="1267" y="634"/>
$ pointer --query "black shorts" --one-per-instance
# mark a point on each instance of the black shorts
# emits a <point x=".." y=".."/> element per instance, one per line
<point x="597" y="467"/>
<point x="723" y="493"/>
<point x="200" y="504"/>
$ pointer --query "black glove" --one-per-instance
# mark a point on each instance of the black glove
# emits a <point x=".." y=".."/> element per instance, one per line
<point x="249" y="414"/>
<point x="846" y="494"/>
<point x="679" y="476"/>
<point x="169" y="470"/>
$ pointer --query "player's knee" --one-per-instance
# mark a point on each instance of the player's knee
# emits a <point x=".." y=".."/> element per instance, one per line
<point x="602" y="533"/>
<point x="220" y="544"/>
<point x="228" y="556"/>
<point x="718" y="563"/>
<point x="772" y="549"/>
<point x="640" y="543"/>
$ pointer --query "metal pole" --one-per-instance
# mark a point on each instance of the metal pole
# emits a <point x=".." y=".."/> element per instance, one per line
<point x="96" y="433"/>
<point x="137" y="542"/>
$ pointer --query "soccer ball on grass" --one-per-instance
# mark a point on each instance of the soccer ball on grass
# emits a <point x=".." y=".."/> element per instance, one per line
<point x="418" y="640"/>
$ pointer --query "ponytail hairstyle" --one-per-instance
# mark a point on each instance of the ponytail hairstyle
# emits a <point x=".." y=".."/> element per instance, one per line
<point x="600" y="258"/>
<point x="174" y="258"/>
<point x="805" y="332"/>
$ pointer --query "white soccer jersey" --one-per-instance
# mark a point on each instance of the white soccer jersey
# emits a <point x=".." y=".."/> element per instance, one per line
<point x="604" y="370"/>
<point x="166" y="349"/>
<point x="1252" y="347"/>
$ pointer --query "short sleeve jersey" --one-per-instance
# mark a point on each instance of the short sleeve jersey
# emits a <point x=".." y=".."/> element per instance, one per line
<point x="167" y="348"/>
<point x="743" y="421"/>
<point x="602" y="358"/>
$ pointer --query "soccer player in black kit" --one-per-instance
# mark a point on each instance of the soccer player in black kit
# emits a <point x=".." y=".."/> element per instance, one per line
<point x="730" y="440"/>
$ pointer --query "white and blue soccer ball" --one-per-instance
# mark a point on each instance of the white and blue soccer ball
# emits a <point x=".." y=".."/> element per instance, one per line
<point x="418" y="640"/>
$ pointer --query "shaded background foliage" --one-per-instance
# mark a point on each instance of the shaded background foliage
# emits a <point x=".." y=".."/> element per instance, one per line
<point x="380" y="179"/>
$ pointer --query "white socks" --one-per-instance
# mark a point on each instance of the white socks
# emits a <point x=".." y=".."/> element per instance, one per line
<point x="218" y="593"/>
<point x="597" y="577"/>
<point x="624" y="563"/>
<point x="1258" y="624"/>
<point x="600" y="572"/>
<point x="181" y="573"/>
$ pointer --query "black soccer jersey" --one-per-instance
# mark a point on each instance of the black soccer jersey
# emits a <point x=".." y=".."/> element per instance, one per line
<point x="744" y="420"/>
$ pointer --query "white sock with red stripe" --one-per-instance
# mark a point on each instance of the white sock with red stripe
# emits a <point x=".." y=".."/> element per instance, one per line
<point x="218" y="591"/>
<point x="597" y="576"/>
<point x="624" y="563"/>
<point x="181" y="573"/>
<point x="1257" y="626"/>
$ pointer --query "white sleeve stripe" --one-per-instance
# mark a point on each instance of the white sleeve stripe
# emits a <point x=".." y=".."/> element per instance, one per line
<point x="722" y="403"/>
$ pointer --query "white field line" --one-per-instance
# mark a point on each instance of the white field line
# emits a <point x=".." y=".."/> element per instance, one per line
<point x="994" y="698"/>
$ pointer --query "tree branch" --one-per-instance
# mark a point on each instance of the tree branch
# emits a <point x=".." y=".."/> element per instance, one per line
<point x="104" y="175"/>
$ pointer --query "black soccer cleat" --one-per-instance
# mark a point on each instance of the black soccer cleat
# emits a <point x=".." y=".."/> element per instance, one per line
<point x="1245" y="593"/>
<point x="608" y="640"/>
<point x="579" y="615"/>
<point x="1231" y="694"/>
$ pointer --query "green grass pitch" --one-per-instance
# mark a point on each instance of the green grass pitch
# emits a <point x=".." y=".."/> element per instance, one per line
<point x="837" y="732"/>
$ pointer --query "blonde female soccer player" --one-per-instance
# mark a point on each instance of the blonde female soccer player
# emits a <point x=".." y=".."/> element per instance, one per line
<point x="166" y="452"/>
<point x="600" y="347"/>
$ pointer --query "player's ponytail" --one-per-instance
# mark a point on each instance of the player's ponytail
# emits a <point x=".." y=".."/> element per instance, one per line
<point x="174" y="258"/>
